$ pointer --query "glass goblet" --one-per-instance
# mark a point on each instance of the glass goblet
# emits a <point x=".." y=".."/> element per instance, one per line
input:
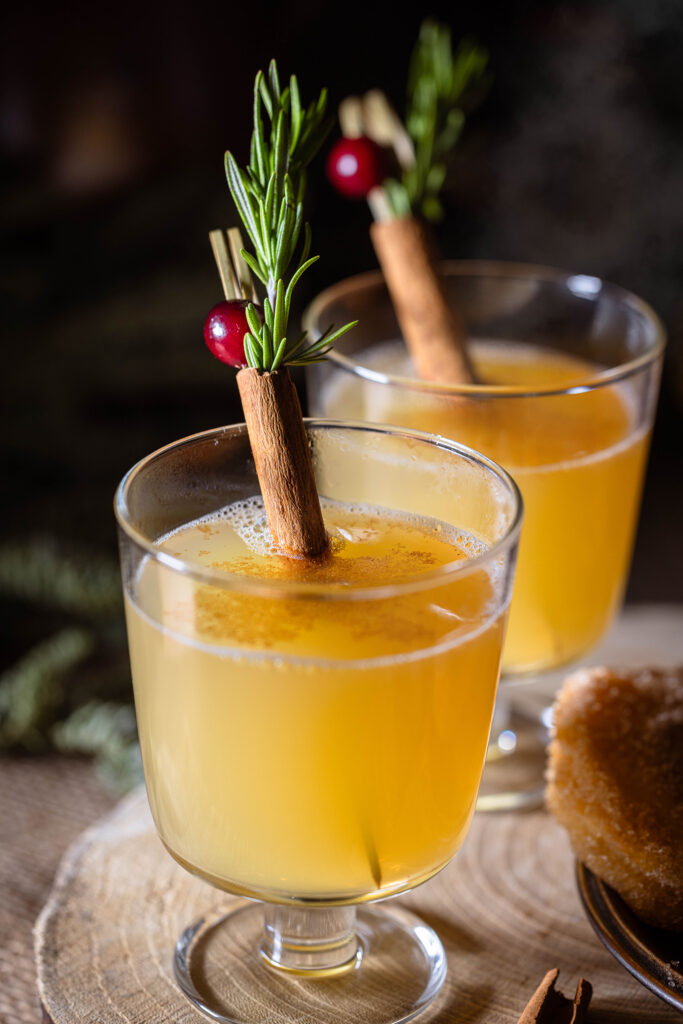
<point x="569" y="368"/>
<point x="298" y="734"/>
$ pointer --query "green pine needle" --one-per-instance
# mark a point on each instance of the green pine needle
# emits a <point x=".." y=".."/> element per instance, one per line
<point x="268" y="196"/>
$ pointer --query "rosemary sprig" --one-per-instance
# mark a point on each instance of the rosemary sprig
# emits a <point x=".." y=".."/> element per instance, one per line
<point x="438" y="80"/>
<point x="269" y="197"/>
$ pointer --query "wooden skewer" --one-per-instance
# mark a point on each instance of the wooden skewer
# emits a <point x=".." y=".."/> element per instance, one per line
<point x="221" y="255"/>
<point x="353" y="124"/>
<point x="384" y="126"/>
<point x="232" y="267"/>
<point x="350" y="113"/>
<point x="379" y="205"/>
<point x="241" y="270"/>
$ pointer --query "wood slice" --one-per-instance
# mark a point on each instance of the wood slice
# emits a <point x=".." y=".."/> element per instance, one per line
<point x="506" y="910"/>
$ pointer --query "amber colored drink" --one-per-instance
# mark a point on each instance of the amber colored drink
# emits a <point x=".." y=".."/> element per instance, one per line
<point x="315" y="749"/>
<point x="578" y="458"/>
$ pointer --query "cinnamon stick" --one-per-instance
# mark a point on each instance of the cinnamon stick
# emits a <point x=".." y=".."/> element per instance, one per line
<point x="283" y="461"/>
<point x="548" y="1006"/>
<point x="433" y="331"/>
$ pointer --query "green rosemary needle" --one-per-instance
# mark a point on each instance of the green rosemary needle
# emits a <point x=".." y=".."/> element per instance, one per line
<point x="269" y="195"/>
<point x="438" y="81"/>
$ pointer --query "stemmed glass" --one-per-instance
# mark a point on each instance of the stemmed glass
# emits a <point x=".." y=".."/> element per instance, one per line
<point x="572" y="425"/>
<point x="313" y="746"/>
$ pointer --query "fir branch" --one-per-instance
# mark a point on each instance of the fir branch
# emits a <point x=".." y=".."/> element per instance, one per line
<point x="77" y="581"/>
<point x="31" y="690"/>
<point x="93" y="725"/>
<point x="439" y="82"/>
<point x="268" y="196"/>
<point x="107" y="731"/>
<point x="68" y="691"/>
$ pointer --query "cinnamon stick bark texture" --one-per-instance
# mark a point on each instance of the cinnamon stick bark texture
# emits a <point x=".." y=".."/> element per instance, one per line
<point x="283" y="461"/>
<point x="548" y="1006"/>
<point x="433" y="331"/>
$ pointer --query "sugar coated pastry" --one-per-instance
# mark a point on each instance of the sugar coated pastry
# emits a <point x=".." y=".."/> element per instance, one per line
<point x="615" y="781"/>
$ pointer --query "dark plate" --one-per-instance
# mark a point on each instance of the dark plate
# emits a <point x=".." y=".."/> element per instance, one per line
<point x="652" y="955"/>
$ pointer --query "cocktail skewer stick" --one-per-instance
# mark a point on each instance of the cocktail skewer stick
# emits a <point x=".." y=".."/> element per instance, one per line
<point x="221" y="255"/>
<point x="384" y="126"/>
<point x="241" y="270"/>
<point x="351" y="117"/>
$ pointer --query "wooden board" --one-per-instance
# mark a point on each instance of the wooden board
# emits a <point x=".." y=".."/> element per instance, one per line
<point x="506" y="910"/>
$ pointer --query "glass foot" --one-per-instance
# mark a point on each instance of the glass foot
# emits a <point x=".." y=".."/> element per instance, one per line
<point x="514" y="772"/>
<point x="311" y="966"/>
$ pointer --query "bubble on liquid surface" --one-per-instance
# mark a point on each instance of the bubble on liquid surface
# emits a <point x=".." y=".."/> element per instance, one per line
<point x="249" y="521"/>
<point x="360" y="524"/>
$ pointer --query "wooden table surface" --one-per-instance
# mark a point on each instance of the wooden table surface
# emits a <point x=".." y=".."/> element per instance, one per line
<point x="528" y="908"/>
<point x="45" y="803"/>
<point x="506" y="909"/>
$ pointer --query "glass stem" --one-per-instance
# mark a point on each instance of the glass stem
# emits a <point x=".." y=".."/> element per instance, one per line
<point x="311" y="941"/>
<point x="502" y="740"/>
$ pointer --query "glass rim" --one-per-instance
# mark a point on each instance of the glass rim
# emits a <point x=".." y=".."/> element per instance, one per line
<point x="591" y="285"/>
<point x="324" y="591"/>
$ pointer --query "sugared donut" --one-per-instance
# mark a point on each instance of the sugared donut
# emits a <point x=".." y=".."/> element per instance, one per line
<point x="615" y="781"/>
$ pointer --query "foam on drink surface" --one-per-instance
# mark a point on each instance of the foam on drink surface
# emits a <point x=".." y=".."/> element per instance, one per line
<point x="393" y="544"/>
<point x="370" y="548"/>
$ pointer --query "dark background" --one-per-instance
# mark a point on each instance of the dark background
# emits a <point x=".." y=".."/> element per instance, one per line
<point x="113" y="123"/>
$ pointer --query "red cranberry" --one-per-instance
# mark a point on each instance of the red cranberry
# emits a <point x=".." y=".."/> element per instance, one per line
<point x="356" y="166"/>
<point x="224" y="330"/>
